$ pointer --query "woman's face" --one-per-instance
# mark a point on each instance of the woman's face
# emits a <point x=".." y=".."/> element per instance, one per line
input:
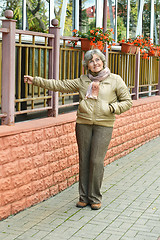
<point x="95" y="64"/>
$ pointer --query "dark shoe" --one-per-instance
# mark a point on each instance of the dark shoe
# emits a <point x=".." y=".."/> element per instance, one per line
<point x="95" y="206"/>
<point x="81" y="204"/>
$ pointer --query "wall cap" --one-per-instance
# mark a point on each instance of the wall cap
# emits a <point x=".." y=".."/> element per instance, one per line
<point x="37" y="124"/>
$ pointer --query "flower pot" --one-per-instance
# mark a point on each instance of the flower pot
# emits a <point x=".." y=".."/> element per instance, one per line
<point x="128" y="48"/>
<point x="153" y="53"/>
<point x="133" y="49"/>
<point x="125" y="47"/>
<point x="85" y="44"/>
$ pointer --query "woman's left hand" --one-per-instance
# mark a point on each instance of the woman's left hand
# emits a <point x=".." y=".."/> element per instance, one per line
<point x="28" y="79"/>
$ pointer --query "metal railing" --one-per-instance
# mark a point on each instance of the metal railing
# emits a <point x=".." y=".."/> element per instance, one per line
<point x="70" y="67"/>
<point x="32" y="53"/>
<point x="123" y="65"/>
<point x="32" y="59"/>
<point x="149" y="72"/>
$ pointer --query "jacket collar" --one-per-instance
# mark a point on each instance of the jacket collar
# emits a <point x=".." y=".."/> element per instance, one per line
<point x="86" y="79"/>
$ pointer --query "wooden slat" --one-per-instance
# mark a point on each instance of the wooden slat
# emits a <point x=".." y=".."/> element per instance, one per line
<point x="32" y="99"/>
<point x="18" y="31"/>
<point x="4" y="30"/>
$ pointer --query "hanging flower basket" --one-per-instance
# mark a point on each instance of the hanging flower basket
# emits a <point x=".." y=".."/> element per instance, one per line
<point x="85" y="44"/>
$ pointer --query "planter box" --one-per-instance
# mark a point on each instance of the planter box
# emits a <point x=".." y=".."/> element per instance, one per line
<point x="85" y="44"/>
<point x="129" y="48"/>
<point x="154" y="53"/>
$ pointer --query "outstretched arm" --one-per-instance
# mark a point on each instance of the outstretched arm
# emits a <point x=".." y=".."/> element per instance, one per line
<point x="66" y="86"/>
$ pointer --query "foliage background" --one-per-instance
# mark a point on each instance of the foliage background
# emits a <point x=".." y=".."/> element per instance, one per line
<point x="38" y="16"/>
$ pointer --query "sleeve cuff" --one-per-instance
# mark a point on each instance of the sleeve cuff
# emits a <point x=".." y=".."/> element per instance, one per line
<point x="111" y="108"/>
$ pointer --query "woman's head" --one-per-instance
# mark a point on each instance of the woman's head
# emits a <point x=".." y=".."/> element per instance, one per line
<point x="92" y="57"/>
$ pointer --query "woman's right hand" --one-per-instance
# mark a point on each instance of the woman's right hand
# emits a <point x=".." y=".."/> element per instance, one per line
<point x="28" y="79"/>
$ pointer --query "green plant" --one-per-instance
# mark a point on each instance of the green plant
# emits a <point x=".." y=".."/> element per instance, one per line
<point x="147" y="48"/>
<point x="97" y="37"/>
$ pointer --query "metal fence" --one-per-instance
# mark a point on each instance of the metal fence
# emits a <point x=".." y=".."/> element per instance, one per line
<point x="70" y="67"/>
<point x="149" y="73"/>
<point x="32" y="58"/>
<point x="125" y="66"/>
<point x="25" y="52"/>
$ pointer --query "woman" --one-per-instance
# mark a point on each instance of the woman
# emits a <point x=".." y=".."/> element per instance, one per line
<point x="101" y="96"/>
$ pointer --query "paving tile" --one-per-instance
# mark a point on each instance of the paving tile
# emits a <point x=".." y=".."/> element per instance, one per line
<point x="131" y="233"/>
<point x="146" y="236"/>
<point x="6" y="236"/>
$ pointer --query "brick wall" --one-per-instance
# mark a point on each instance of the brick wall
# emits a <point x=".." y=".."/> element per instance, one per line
<point x="39" y="158"/>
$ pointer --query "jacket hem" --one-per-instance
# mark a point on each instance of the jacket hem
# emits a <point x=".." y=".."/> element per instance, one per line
<point x="90" y="122"/>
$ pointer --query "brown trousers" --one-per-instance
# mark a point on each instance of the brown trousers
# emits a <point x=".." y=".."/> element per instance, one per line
<point x="93" y="141"/>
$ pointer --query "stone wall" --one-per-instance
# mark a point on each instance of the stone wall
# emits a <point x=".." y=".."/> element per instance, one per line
<point x="39" y="158"/>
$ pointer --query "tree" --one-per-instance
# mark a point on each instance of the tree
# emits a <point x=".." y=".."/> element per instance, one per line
<point x="36" y="13"/>
<point x="83" y="18"/>
<point x="36" y="16"/>
<point x="121" y="33"/>
<point x="84" y="21"/>
<point x="146" y="19"/>
<point x="133" y="18"/>
<point x="68" y="18"/>
<point x="16" y="7"/>
<point x="157" y="18"/>
<point x="92" y="24"/>
<point x="122" y="14"/>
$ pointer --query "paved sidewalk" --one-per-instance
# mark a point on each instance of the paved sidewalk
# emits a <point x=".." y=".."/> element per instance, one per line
<point x="130" y="207"/>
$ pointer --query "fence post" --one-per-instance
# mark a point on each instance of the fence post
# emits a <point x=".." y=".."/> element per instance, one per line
<point x="106" y="53"/>
<point x="159" y="66"/>
<point x="137" y="67"/>
<point x="8" y="68"/>
<point x="158" y="87"/>
<point x="54" y="64"/>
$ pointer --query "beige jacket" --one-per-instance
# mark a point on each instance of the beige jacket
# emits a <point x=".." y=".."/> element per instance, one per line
<point x="112" y="91"/>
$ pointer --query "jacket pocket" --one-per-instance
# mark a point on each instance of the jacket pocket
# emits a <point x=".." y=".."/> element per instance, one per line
<point x="103" y="109"/>
<point x="84" y="107"/>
